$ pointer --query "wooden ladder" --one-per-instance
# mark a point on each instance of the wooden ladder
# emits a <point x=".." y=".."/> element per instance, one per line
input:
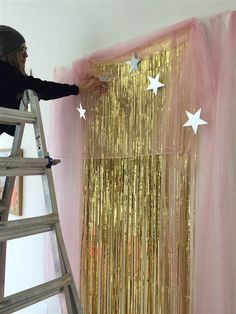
<point x="16" y="166"/>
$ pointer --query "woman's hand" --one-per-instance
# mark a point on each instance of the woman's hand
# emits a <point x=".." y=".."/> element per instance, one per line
<point x="91" y="84"/>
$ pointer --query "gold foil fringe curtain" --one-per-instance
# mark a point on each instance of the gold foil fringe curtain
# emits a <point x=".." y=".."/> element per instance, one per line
<point x="138" y="186"/>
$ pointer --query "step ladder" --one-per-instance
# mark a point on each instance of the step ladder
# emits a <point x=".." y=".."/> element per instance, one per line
<point x="16" y="166"/>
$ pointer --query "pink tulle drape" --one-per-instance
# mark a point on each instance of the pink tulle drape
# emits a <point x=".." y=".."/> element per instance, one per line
<point x="65" y="143"/>
<point x="214" y="254"/>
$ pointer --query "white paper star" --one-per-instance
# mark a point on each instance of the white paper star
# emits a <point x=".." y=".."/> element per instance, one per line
<point x="194" y="120"/>
<point x="103" y="78"/>
<point x="81" y="111"/>
<point x="155" y="83"/>
<point x="133" y="63"/>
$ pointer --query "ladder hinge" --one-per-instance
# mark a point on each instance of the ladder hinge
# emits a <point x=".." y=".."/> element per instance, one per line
<point x="52" y="162"/>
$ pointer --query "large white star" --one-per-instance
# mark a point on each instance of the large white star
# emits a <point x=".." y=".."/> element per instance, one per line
<point x="194" y="120"/>
<point x="133" y="63"/>
<point x="154" y="83"/>
<point x="81" y="111"/>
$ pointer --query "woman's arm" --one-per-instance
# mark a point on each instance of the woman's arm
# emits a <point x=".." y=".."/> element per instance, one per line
<point x="51" y="90"/>
<point x="45" y="89"/>
<point x="13" y="81"/>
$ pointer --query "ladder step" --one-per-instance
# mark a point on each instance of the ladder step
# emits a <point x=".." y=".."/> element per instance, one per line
<point x="13" y="116"/>
<point x="21" y="172"/>
<point x="7" y="162"/>
<point x="15" y="166"/>
<point x="24" y="227"/>
<point x="33" y="295"/>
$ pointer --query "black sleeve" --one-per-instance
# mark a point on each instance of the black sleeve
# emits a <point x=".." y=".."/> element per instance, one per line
<point x="14" y="82"/>
<point x="45" y="89"/>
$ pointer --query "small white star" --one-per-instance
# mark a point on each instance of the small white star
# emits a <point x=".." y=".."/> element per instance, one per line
<point x="155" y="83"/>
<point x="103" y="78"/>
<point x="81" y="111"/>
<point x="194" y="120"/>
<point x="133" y="63"/>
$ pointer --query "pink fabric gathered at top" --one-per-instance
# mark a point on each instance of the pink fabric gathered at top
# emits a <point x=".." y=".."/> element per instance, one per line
<point x="214" y="284"/>
<point x="214" y="255"/>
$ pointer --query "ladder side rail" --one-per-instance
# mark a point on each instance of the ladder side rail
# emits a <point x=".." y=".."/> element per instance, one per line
<point x="62" y="249"/>
<point x="42" y="153"/>
<point x="72" y="298"/>
<point x="7" y="194"/>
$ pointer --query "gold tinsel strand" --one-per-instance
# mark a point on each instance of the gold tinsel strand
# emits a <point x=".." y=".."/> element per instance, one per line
<point x="138" y="182"/>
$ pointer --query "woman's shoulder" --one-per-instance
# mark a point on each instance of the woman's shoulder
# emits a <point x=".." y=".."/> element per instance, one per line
<point x="6" y="69"/>
<point x="6" y="65"/>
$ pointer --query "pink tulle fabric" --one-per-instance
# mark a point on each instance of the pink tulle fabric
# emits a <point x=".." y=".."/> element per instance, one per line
<point x="214" y="253"/>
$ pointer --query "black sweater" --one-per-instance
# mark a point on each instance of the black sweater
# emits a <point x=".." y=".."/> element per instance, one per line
<point x="13" y="83"/>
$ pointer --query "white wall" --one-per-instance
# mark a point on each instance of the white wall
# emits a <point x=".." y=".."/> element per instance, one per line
<point x="57" y="33"/>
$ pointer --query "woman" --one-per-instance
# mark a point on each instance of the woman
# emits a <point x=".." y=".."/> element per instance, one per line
<point x="14" y="80"/>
